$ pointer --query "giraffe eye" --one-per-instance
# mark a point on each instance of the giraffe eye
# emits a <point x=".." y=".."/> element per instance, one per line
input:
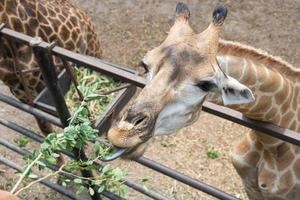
<point x="143" y="68"/>
<point x="206" y="85"/>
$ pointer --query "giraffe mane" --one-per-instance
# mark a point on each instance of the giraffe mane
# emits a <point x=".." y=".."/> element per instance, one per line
<point x="258" y="55"/>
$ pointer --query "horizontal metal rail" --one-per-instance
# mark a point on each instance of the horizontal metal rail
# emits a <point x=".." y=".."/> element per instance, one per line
<point x="93" y="63"/>
<point x="49" y="184"/>
<point x="24" y="152"/>
<point x="185" y="179"/>
<point x="29" y="109"/>
<point x="150" y="193"/>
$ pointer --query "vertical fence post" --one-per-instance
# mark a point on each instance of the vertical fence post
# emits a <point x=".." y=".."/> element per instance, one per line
<point x="45" y="62"/>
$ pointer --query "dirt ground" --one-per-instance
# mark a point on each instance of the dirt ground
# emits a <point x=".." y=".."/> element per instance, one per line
<point x="128" y="29"/>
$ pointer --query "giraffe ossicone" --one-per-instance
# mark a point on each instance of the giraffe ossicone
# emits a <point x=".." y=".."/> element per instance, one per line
<point x="188" y="68"/>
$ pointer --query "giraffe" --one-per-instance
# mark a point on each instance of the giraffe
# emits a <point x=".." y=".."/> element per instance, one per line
<point x="51" y="20"/>
<point x="189" y="68"/>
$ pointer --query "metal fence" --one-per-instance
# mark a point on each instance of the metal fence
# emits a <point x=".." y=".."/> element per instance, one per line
<point x="45" y="52"/>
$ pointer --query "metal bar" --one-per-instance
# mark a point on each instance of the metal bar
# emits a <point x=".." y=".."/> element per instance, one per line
<point x="49" y="184"/>
<point x="28" y="133"/>
<point x="83" y="60"/>
<point x="45" y="61"/>
<point x="145" y="191"/>
<point x="185" y="179"/>
<point x="104" y="121"/>
<point x="266" y="128"/>
<point x="38" y="138"/>
<point x="24" y="152"/>
<point x="36" y="112"/>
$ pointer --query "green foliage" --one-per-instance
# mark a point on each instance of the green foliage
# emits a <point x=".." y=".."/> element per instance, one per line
<point x="22" y="141"/>
<point x="212" y="153"/>
<point x="78" y="135"/>
<point x="90" y="84"/>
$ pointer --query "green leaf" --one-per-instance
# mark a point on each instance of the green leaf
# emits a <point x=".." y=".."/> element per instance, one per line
<point x="80" y="190"/>
<point x="33" y="176"/>
<point x="91" y="190"/>
<point x="77" y="180"/>
<point x="145" y="179"/>
<point x="106" y="168"/>
<point x="41" y="163"/>
<point x="64" y="184"/>
<point x="118" y="173"/>
<point x="101" y="188"/>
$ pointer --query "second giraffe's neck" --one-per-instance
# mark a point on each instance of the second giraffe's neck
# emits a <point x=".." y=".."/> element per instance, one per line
<point x="276" y="95"/>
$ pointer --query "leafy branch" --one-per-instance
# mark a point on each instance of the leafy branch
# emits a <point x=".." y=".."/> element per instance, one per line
<point x="77" y="135"/>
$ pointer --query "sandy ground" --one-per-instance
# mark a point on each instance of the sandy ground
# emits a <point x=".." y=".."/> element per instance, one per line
<point x="128" y="29"/>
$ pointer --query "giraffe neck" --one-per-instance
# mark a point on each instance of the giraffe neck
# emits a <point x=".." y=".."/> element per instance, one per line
<point x="276" y="95"/>
<point x="268" y="166"/>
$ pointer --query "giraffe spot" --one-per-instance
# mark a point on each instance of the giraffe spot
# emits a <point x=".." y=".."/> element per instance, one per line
<point x="55" y="24"/>
<point x="294" y="192"/>
<point x="42" y="9"/>
<point x="11" y="7"/>
<point x="287" y="117"/>
<point x="243" y="146"/>
<point x="47" y="30"/>
<point x="74" y="36"/>
<point x="21" y="13"/>
<point x="266" y="179"/>
<point x="286" y="182"/>
<point x="33" y="23"/>
<point x="17" y="25"/>
<point x="42" y="34"/>
<point x="233" y="61"/>
<point x="70" y="45"/>
<point x="265" y="139"/>
<point x="284" y="156"/>
<point x="252" y="158"/>
<point x="296" y="166"/>
<point x="64" y="33"/>
<point x="295" y="98"/>
<point x="272" y="83"/>
<point x="73" y="20"/>
<point x="69" y="25"/>
<point x="271" y="113"/>
<point x="51" y="13"/>
<point x="41" y="19"/>
<point x="261" y="73"/>
<point x="293" y="125"/>
<point x="268" y="158"/>
<point x="62" y="18"/>
<point x="281" y="96"/>
<point x="249" y="80"/>
<point x="264" y="104"/>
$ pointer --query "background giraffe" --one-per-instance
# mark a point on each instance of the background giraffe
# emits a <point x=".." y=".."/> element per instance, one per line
<point x="269" y="167"/>
<point x="52" y="20"/>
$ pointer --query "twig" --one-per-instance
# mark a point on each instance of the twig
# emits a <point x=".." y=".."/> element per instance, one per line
<point x="39" y="180"/>
<point x="114" y="89"/>
<point x="25" y="173"/>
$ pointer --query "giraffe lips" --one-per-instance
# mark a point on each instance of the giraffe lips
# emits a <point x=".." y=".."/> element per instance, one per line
<point x="116" y="153"/>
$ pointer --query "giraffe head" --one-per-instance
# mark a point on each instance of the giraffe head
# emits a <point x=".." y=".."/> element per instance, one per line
<point x="182" y="71"/>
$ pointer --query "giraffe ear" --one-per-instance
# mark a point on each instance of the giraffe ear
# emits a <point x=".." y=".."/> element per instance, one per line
<point x="234" y="92"/>
<point x="182" y="12"/>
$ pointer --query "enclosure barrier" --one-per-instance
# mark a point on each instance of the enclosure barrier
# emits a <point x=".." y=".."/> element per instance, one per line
<point x="44" y="51"/>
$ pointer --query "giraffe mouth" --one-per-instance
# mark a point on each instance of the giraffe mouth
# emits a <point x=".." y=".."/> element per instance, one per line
<point x="117" y="152"/>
